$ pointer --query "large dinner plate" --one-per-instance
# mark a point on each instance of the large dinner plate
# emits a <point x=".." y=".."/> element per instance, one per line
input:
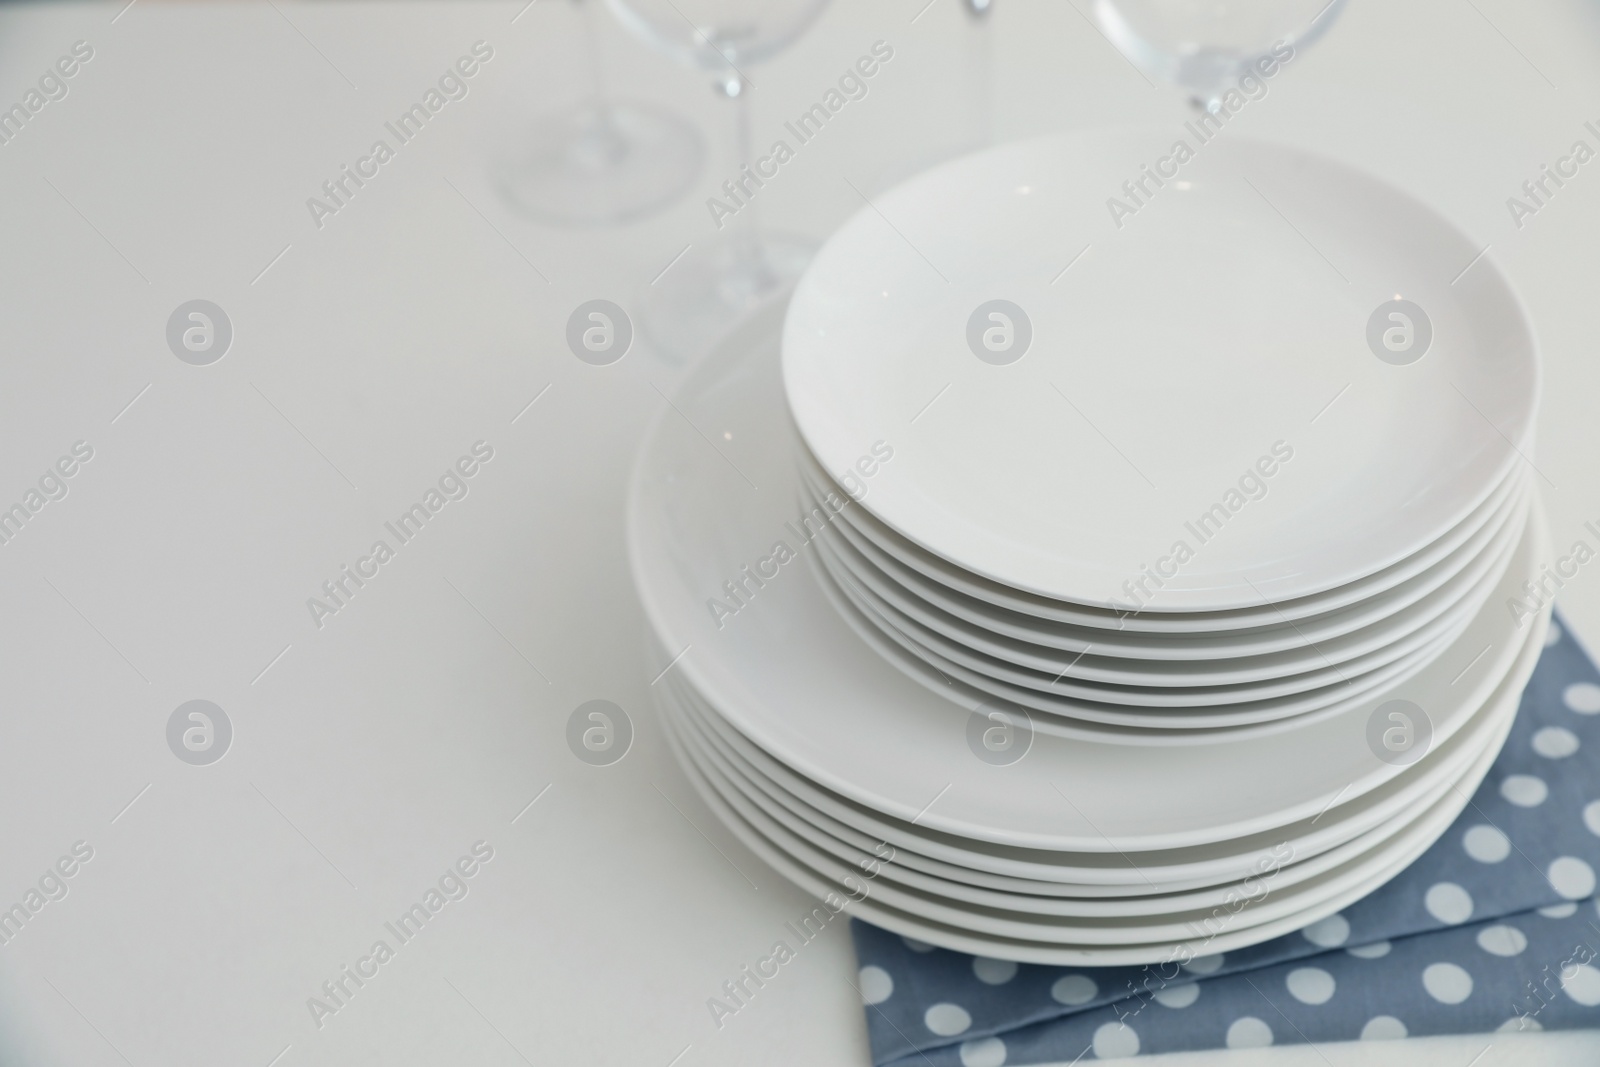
<point x="720" y="765"/>
<point x="1064" y="873"/>
<point x="1260" y="899"/>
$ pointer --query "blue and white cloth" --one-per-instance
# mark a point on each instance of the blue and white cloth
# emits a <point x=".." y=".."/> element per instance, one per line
<point x="1496" y="926"/>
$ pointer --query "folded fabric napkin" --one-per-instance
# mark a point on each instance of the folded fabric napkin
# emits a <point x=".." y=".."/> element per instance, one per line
<point x="1494" y="926"/>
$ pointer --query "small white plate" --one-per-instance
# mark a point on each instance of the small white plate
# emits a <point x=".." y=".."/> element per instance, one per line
<point x="939" y="576"/>
<point x="946" y="668"/>
<point x="1187" y="343"/>
<point x="991" y="628"/>
<point x="799" y="683"/>
<point x="1186" y="682"/>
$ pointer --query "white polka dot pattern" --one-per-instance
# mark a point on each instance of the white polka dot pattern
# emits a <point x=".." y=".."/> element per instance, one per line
<point x="993" y="972"/>
<point x="875" y="984"/>
<point x="984" y="1052"/>
<point x="1582" y="983"/>
<point x="1448" y="902"/>
<point x="947" y="1020"/>
<point x="1375" y="951"/>
<point x="1383" y="1028"/>
<point x="1486" y="844"/>
<point x="1502" y="940"/>
<point x="1310" y="985"/>
<point x="1572" y="878"/>
<point x="1328" y="933"/>
<point x="1178" y="996"/>
<point x="1074" y="989"/>
<point x="1524" y="790"/>
<point x="1447" y="983"/>
<point x="1249" y="1032"/>
<point x="1582" y="697"/>
<point x="1114" y="1041"/>
<point x="1555" y="742"/>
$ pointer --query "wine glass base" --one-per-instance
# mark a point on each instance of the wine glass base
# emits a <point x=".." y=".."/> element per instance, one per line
<point x="701" y="298"/>
<point x="602" y="164"/>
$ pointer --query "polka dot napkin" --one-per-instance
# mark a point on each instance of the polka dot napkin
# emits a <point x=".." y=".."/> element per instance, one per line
<point x="1496" y="926"/>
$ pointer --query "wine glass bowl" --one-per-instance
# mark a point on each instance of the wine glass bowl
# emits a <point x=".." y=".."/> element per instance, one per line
<point x="717" y="34"/>
<point x="719" y="282"/>
<point x="1206" y="46"/>
<point x="603" y="162"/>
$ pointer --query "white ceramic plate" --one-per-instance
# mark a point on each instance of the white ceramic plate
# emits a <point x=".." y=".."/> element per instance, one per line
<point x="800" y="684"/>
<point x="1077" y="711"/>
<point x="1038" y="872"/>
<point x="1187" y="682"/>
<point x="938" y="575"/>
<point x="932" y="665"/>
<point x="992" y="629"/>
<point x="721" y="767"/>
<point x="1229" y="937"/>
<point x="1233" y="933"/>
<point x="945" y="668"/>
<point x="1013" y="916"/>
<point x="1187" y="342"/>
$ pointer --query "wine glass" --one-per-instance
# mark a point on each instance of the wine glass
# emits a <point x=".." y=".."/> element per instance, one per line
<point x="971" y="124"/>
<point x="697" y="299"/>
<point x="1206" y="46"/>
<point x="603" y="162"/>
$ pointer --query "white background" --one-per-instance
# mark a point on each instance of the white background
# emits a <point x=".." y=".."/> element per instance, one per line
<point x="376" y="350"/>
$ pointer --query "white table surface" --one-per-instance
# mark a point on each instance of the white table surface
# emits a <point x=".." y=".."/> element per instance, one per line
<point x="429" y="712"/>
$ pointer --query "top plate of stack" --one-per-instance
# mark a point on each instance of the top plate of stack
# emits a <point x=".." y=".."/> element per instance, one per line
<point x="1155" y="390"/>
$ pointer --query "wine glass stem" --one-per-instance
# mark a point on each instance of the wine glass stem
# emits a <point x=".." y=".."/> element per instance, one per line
<point x="746" y="235"/>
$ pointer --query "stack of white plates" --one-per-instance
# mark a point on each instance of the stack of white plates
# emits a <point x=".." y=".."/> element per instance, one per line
<point x="935" y="646"/>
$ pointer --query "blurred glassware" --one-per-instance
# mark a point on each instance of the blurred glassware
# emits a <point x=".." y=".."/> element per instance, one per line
<point x="1205" y="46"/>
<point x="697" y="299"/>
<point x="982" y="48"/>
<point x="604" y="161"/>
<point x="968" y="125"/>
